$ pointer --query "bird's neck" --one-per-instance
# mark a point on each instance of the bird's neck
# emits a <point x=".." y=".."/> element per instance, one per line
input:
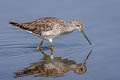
<point x="69" y="29"/>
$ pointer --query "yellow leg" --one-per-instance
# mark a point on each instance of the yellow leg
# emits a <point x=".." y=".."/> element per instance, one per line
<point x="51" y="44"/>
<point x="38" y="47"/>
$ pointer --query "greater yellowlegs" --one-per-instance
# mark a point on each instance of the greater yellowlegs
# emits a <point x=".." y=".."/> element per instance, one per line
<point x="48" y="28"/>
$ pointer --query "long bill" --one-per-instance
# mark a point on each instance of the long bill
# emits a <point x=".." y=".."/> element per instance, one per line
<point x="86" y="37"/>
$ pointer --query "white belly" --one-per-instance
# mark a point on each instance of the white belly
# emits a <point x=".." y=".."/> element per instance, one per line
<point x="50" y="34"/>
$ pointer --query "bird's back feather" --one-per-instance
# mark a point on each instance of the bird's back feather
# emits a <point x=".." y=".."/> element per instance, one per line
<point x="40" y="25"/>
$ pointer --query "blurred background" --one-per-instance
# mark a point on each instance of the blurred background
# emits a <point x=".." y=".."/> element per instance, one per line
<point x="101" y="20"/>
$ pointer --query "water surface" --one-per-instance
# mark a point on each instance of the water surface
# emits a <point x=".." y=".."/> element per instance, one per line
<point x="101" y="21"/>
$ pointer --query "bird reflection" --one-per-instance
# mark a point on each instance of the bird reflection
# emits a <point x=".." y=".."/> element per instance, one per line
<point x="55" y="67"/>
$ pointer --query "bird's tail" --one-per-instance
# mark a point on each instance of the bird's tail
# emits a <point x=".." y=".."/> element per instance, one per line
<point x="14" y="24"/>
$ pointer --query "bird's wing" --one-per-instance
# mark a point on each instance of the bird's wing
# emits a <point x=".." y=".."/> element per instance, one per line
<point x="42" y="24"/>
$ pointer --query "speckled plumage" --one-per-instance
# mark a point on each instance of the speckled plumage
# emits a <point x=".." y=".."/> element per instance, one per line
<point x="48" y="27"/>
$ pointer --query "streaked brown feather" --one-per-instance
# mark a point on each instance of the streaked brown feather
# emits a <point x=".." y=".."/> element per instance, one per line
<point x="42" y="24"/>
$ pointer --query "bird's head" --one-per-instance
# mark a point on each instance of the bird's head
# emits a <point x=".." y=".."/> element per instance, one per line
<point x="78" y="23"/>
<point x="79" y="26"/>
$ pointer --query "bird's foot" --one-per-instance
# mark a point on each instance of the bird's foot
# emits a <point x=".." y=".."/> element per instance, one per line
<point x="38" y="48"/>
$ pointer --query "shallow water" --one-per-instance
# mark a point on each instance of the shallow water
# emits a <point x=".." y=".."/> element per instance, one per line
<point x="101" y="20"/>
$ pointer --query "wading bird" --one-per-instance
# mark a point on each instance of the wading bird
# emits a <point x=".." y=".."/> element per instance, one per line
<point x="48" y="28"/>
